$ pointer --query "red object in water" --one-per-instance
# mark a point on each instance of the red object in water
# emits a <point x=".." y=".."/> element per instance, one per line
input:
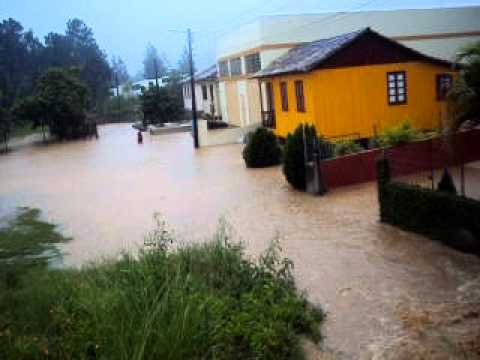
<point x="140" y="137"/>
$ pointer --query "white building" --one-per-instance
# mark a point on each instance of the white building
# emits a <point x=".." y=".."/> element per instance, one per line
<point x="135" y="88"/>
<point x="438" y="32"/>
<point x="206" y="93"/>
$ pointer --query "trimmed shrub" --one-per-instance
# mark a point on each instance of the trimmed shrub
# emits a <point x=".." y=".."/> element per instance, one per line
<point x="446" y="183"/>
<point x="401" y="134"/>
<point x="442" y="216"/>
<point x="294" y="155"/>
<point x="346" y="148"/>
<point x="262" y="149"/>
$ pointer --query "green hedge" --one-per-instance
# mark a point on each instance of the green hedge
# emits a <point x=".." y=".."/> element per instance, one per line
<point x="452" y="219"/>
<point x="262" y="149"/>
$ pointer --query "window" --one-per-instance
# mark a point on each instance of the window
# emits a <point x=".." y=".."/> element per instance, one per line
<point x="252" y="63"/>
<point x="211" y="92"/>
<point x="397" y="87"/>
<point x="284" y="95"/>
<point x="236" y="66"/>
<point x="204" y="92"/>
<point x="300" y="96"/>
<point x="444" y="85"/>
<point x="223" y="68"/>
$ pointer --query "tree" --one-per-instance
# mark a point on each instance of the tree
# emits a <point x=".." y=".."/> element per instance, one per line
<point x="464" y="100"/>
<point x="119" y="69"/>
<point x="79" y="48"/>
<point x="161" y="105"/>
<point x="184" y="63"/>
<point x="60" y="101"/>
<point x="20" y="61"/>
<point x="153" y="64"/>
<point x="5" y="126"/>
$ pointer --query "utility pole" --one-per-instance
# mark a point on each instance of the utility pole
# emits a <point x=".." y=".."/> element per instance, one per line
<point x="118" y="98"/>
<point x="192" y="85"/>
<point x="155" y="66"/>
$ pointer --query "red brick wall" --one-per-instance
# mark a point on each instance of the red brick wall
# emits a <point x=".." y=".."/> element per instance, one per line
<point x="406" y="159"/>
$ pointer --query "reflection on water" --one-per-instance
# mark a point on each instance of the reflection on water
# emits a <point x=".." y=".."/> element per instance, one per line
<point x="371" y="278"/>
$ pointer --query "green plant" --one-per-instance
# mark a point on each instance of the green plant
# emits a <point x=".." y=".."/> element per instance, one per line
<point x="464" y="99"/>
<point x="401" y="134"/>
<point x="294" y="155"/>
<point x="446" y="183"/>
<point x="204" y="300"/>
<point x="346" y="148"/>
<point x="262" y="149"/>
<point x="442" y="216"/>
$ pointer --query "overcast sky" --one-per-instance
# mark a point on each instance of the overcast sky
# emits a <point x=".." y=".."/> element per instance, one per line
<point x="124" y="27"/>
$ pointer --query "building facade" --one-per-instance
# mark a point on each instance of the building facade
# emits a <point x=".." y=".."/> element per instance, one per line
<point x="439" y="33"/>
<point x="206" y="93"/>
<point x="357" y="85"/>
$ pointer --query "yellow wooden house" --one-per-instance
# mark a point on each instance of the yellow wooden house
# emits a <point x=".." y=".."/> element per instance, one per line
<point x="356" y="84"/>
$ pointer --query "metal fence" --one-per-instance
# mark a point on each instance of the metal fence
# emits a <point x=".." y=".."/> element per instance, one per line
<point x="425" y="163"/>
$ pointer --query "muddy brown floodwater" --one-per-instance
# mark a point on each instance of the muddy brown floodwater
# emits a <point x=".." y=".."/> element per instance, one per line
<point x="389" y="294"/>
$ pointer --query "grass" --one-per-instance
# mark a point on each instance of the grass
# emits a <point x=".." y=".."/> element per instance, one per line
<point x="204" y="300"/>
<point x="24" y="129"/>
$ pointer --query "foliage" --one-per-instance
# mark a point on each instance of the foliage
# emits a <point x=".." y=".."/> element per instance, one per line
<point x="24" y="58"/>
<point x="153" y="64"/>
<point x="60" y="101"/>
<point x="400" y="134"/>
<point x="347" y="147"/>
<point x="262" y="149"/>
<point x="464" y="99"/>
<point x="446" y="183"/>
<point x="443" y="216"/>
<point x="121" y="108"/>
<point x="184" y="63"/>
<point x="216" y="124"/>
<point x="119" y="70"/>
<point x="205" y="300"/>
<point x="161" y="105"/>
<point x="294" y="153"/>
<point x="6" y="125"/>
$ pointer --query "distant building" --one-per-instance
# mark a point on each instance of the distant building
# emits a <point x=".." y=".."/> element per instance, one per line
<point x="356" y="84"/>
<point x="135" y="88"/>
<point x="438" y="32"/>
<point x="206" y="93"/>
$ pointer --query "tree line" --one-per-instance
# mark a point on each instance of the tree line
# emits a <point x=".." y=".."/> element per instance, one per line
<point x="55" y="82"/>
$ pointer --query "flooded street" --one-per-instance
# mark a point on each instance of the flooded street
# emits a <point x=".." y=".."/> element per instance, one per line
<point x="388" y="293"/>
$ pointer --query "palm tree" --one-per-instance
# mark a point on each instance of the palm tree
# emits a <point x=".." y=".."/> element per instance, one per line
<point x="464" y="104"/>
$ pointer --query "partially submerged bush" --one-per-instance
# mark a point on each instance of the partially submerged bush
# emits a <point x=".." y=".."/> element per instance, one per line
<point x="262" y="149"/>
<point x="294" y="155"/>
<point x="206" y="300"/>
<point x="401" y="134"/>
<point x="346" y="148"/>
<point x="446" y="183"/>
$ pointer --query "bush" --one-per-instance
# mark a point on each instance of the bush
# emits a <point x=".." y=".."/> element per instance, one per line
<point x="205" y="300"/>
<point x="294" y="153"/>
<point x="442" y="216"/>
<point x="346" y="148"/>
<point x="446" y="183"/>
<point x="262" y="149"/>
<point x="401" y="134"/>
<point x="216" y="124"/>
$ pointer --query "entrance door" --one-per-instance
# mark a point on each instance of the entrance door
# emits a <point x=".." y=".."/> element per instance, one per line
<point x="269" y="113"/>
